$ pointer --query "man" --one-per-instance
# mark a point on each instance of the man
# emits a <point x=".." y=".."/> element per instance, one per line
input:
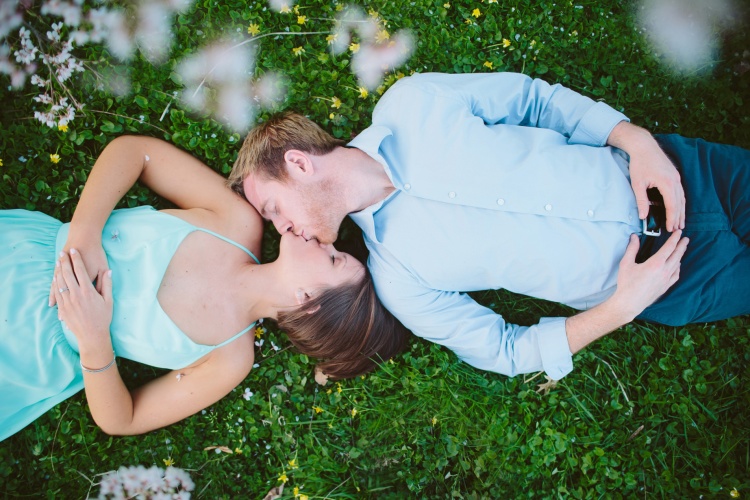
<point x="486" y="181"/>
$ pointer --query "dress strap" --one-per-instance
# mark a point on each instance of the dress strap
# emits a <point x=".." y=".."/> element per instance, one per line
<point x="232" y="243"/>
<point x="240" y="334"/>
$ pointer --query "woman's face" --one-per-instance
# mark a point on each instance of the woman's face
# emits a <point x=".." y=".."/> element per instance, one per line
<point x="311" y="266"/>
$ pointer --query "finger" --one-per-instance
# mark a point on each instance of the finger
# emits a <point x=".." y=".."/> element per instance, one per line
<point x="632" y="250"/>
<point x="669" y="246"/>
<point x="99" y="278"/>
<point x="107" y="286"/>
<point x="679" y="252"/>
<point x="672" y="217"/>
<point x="59" y="300"/>
<point x="641" y="200"/>
<point x="52" y="288"/>
<point x="67" y="273"/>
<point x="79" y="268"/>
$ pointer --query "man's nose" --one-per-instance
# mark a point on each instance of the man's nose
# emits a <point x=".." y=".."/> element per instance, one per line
<point x="282" y="225"/>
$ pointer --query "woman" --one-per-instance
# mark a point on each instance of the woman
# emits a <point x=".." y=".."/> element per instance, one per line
<point x="176" y="289"/>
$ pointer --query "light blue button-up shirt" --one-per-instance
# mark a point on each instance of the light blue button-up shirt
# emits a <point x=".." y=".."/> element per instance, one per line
<point x="501" y="182"/>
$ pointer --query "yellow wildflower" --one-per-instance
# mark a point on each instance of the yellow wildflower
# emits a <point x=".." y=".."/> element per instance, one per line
<point x="331" y="38"/>
<point x="338" y="385"/>
<point x="296" y="9"/>
<point x="447" y="5"/>
<point x="238" y="451"/>
<point x="734" y="493"/>
<point x="434" y="421"/>
<point x="487" y="64"/>
<point x="283" y="477"/>
<point x="506" y="43"/>
<point x="54" y="158"/>
<point x="336" y="102"/>
<point x="1" y="163"/>
<point x="382" y="36"/>
<point x="253" y="29"/>
<point x="354" y="412"/>
<point x="293" y="463"/>
<point x="328" y="391"/>
<point x="574" y="32"/>
<point x="303" y="497"/>
<point x="63" y="127"/>
<point x="354" y="47"/>
<point x="296" y="491"/>
<point x="259" y="332"/>
<point x="491" y="1"/>
<point x="373" y="13"/>
<point x="476" y="13"/>
<point x="285" y="9"/>
<point x="298" y="51"/>
<point x="468" y="21"/>
<point x="318" y="409"/>
<point x="399" y="76"/>
<point x="363" y="93"/>
<point x="331" y="116"/>
<point x="301" y="19"/>
<point x="168" y="462"/>
<point x="532" y="43"/>
<point x="380" y="90"/>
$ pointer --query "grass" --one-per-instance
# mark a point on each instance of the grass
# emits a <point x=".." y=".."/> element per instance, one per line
<point x="649" y="411"/>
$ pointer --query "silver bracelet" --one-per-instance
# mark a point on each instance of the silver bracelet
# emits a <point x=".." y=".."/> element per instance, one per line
<point x="99" y="370"/>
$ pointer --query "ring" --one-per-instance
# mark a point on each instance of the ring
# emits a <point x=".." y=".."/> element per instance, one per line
<point x="61" y="290"/>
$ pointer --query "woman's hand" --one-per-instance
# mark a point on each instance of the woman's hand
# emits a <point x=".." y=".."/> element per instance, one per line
<point x="95" y="261"/>
<point x="86" y="312"/>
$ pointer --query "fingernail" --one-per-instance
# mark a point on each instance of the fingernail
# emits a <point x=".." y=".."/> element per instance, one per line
<point x="57" y="263"/>
<point x="109" y="273"/>
<point x="73" y="251"/>
<point x="62" y="254"/>
<point x="49" y="303"/>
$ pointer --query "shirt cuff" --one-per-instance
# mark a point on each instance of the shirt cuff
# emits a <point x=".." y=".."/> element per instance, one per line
<point x="596" y="125"/>
<point x="557" y="360"/>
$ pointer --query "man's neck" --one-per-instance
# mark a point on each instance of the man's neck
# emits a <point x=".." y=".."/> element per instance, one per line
<point x="364" y="177"/>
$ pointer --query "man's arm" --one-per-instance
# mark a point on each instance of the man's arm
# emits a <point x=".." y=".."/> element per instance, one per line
<point x="483" y="339"/>
<point x="516" y="99"/>
<point x="650" y="168"/>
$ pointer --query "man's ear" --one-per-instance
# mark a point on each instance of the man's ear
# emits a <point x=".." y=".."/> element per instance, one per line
<point x="302" y="297"/>
<point x="298" y="164"/>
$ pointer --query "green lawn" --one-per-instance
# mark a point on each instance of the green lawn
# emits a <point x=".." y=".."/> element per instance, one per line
<point x="648" y="412"/>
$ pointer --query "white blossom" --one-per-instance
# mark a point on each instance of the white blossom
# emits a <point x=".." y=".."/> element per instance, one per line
<point x="10" y="18"/>
<point x="686" y="33"/>
<point x="280" y="5"/>
<point x="372" y="61"/>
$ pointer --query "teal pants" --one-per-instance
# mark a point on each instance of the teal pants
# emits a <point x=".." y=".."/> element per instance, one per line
<point x="714" y="279"/>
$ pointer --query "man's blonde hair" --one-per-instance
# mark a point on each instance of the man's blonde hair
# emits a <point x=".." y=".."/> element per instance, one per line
<point x="262" y="152"/>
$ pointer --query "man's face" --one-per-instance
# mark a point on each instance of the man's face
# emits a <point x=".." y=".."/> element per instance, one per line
<point x="307" y="210"/>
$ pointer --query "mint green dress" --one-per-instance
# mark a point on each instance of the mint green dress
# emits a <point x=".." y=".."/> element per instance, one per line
<point x="39" y="364"/>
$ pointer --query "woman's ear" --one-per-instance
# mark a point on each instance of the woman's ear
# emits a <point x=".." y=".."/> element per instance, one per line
<point x="302" y="297"/>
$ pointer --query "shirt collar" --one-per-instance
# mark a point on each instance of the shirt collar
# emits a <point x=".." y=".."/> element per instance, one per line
<point x="369" y="142"/>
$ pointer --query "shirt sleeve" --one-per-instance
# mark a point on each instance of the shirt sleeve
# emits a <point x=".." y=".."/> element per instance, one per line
<point x="478" y="335"/>
<point x="516" y="99"/>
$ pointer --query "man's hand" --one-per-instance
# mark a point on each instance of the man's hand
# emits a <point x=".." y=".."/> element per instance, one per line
<point x="95" y="262"/>
<point x="639" y="285"/>
<point x="651" y="168"/>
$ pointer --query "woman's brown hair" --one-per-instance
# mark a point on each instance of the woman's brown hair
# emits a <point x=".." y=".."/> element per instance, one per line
<point x="349" y="330"/>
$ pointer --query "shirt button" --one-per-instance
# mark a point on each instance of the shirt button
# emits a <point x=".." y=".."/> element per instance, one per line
<point x="500" y="201"/>
<point x="452" y="194"/>
<point x="548" y="207"/>
<point x="407" y="186"/>
<point x="590" y="213"/>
